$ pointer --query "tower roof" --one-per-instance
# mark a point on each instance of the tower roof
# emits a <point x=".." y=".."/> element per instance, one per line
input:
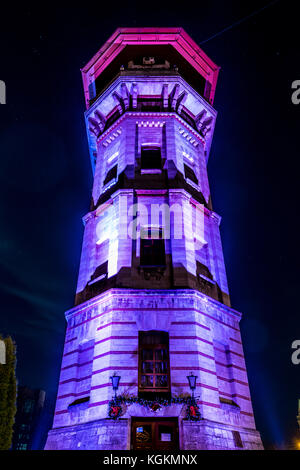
<point x="191" y="57"/>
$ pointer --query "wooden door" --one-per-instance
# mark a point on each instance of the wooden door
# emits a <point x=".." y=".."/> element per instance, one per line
<point x="155" y="434"/>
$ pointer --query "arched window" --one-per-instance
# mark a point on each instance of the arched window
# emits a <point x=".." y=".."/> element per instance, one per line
<point x="154" y="368"/>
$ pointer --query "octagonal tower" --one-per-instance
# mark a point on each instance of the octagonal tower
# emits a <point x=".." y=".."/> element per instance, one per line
<point x="152" y="302"/>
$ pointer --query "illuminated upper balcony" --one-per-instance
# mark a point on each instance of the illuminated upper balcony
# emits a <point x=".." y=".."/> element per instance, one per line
<point x="127" y="49"/>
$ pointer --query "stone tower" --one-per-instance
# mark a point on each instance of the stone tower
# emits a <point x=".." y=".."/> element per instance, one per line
<point x="152" y="304"/>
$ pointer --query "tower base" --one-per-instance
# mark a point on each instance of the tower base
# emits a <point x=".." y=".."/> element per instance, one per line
<point x="106" y="434"/>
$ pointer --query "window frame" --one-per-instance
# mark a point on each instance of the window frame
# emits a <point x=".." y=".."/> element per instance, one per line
<point x="237" y="438"/>
<point x="149" y="236"/>
<point x="154" y="347"/>
<point x="154" y="168"/>
<point x="112" y="174"/>
<point x="188" y="168"/>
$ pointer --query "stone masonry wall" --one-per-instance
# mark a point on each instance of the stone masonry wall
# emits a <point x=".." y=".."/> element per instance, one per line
<point x="107" y="327"/>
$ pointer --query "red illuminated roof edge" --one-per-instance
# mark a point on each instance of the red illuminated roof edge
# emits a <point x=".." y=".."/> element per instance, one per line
<point x="176" y="37"/>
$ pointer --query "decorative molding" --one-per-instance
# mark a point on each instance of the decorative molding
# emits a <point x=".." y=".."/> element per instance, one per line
<point x="185" y="299"/>
<point x="150" y="123"/>
<point x="113" y="135"/>
<point x="190" y="138"/>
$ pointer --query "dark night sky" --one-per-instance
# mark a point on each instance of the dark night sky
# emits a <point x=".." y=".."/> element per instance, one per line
<point x="46" y="178"/>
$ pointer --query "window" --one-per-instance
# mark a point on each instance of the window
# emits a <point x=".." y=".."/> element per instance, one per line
<point x="22" y="447"/>
<point x="28" y="406"/>
<point x="100" y="273"/>
<point x="227" y="401"/>
<point x="152" y="247"/>
<point x="154" y="374"/>
<point x="189" y="173"/>
<point x="237" y="439"/>
<point x="112" y="118"/>
<point x="153" y="104"/>
<point x="224" y="372"/>
<point x="79" y="401"/>
<point x="150" y="158"/>
<point x="187" y="117"/>
<point x="111" y="174"/>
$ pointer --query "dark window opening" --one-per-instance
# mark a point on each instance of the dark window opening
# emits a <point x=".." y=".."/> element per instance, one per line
<point x="79" y="401"/>
<point x="237" y="439"/>
<point x="188" y="118"/>
<point x="112" y="118"/>
<point x="189" y="173"/>
<point x="161" y="53"/>
<point x="150" y="158"/>
<point x="100" y="273"/>
<point x="111" y="174"/>
<point x="154" y="369"/>
<point x="203" y="270"/>
<point x="152" y="248"/>
<point x="28" y="406"/>
<point x="149" y="104"/>
<point x="227" y="401"/>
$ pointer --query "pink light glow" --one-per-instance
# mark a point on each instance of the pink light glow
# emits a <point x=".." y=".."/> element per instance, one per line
<point x="176" y="37"/>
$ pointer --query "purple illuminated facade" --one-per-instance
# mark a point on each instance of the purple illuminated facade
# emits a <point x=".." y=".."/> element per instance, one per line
<point x="152" y="302"/>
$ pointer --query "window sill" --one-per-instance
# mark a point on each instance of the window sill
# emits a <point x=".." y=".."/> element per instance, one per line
<point x="153" y="266"/>
<point x="109" y="185"/>
<point x="99" y="278"/>
<point x="193" y="184"/>
<point x="152" y="272"/>
<point x="151" y="172"/>
<point x="229" y="407"/>
<point x="81" y="403"/>
<point x="210" y="281"/>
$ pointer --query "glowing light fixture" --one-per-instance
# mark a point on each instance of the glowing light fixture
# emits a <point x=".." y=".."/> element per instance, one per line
<point x="115" y="379"/>
<point x="192" y="382"/>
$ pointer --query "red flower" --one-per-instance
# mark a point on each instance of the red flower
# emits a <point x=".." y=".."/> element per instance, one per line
<point x="155" y="407"/>
<point x="115" y="410"/>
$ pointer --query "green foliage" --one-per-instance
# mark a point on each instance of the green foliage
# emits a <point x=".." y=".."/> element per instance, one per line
<point x="115" y="405"/>
<point x="8" y="394"/>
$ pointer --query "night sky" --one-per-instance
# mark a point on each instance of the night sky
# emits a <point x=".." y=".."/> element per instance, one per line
<point x="46" y="177"/>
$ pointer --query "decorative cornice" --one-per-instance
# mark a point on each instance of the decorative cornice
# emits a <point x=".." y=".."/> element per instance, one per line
<point x="151" y="295"/>
<point x="154" y="115"/>
<point x="112" y="136"/>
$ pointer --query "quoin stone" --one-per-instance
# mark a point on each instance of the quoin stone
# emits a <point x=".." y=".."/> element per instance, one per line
<point x="152" y="305"/>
